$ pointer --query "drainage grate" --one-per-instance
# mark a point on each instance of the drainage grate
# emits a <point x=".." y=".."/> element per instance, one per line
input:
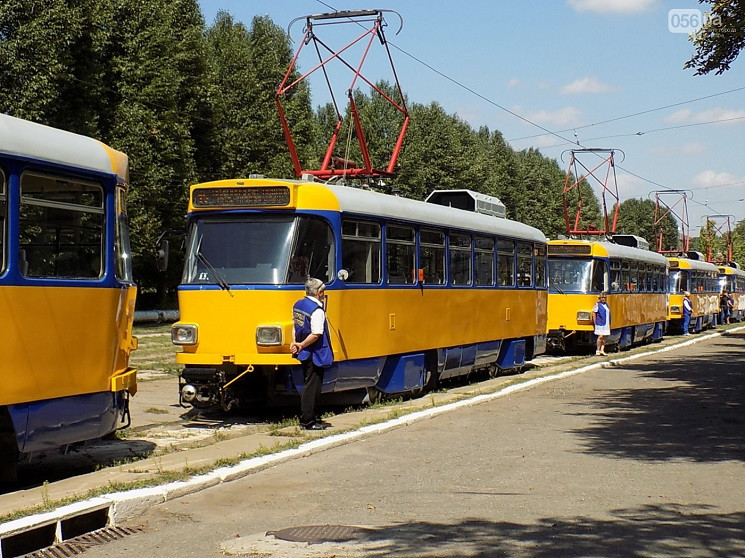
<point x="315" y="534"/>
<point x="78" y="545"/>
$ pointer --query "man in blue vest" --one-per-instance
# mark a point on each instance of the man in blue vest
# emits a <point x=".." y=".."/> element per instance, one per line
<point x="687" y="311"/>
<point x="311" y="345"/>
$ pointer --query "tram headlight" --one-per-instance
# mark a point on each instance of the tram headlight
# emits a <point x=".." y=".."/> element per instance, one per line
<point x="269" y="335"/>
<point x="675" y="309"/>
<point x="184" y="334"/>
<point x="583" y="316"/>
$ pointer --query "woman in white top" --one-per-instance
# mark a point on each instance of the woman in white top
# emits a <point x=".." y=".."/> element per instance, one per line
<point x="601" y="319"/>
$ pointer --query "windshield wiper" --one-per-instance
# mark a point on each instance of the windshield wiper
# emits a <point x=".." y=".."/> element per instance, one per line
<point x="552" y="286"/>
<point x="218" y="277"/>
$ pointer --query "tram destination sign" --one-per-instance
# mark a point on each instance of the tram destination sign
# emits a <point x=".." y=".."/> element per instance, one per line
<point x="569" y="249"/>
<point x="261" y="196"/>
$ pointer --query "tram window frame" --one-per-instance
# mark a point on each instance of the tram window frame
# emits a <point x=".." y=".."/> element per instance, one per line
<point x="3" y="222"/>
<point x="360" y="237"/>
<point x="506" y="262"/>
<point x="460" y="259"/>
<point x="540" y="260"/>
<point x="55" y="252"/>
<point x="524" y="264"/>
<point x="484" y="261"/>
<point x="400" y="249"/>
<point x="432" y="259"/>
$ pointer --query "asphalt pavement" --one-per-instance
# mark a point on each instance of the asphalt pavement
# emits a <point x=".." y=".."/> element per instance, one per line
<point x="641" y="457"/>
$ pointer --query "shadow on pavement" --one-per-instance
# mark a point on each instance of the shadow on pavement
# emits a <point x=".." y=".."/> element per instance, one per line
<point x="699" y="417"/>
<point x="664" y="530"/>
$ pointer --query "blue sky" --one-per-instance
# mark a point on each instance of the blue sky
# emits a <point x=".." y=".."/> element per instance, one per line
<point x="568" y="66"/>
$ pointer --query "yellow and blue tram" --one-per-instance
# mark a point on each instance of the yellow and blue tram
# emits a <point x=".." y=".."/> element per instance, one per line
<point x="634" y="279"/>
<point x="732" y="280"/>
<point x="417" y="292"/>
<point x="698" y="277"/>
<point x="66" y="291"/>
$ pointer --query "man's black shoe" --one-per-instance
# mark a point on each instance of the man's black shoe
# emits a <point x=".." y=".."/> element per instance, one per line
<point x="314" y="426"/>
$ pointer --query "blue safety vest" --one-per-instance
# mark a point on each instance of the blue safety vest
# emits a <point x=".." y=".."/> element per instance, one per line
<point x="601" y="316"/>
<point x="320" y="351"/>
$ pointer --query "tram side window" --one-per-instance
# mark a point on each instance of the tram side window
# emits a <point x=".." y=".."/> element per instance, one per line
<point x="540" y="265"/>
<point x="400" y="254"/>
<point x="3" y="221"/>
<point x="432" y="256"/>
<point x="460" y="259"/>
<point x="360" y="251"/>
<point x="484" y="257"/>
<point x="122" y="248"/>
<point x="599" y="271"/>
<point x="506" y="263"/>
<point x="524" y="264"/>
<point x="61" y="227"/>
<point x="633" y="277"/>
<point x="616" y="282"/>
<point x="313" y="249"/>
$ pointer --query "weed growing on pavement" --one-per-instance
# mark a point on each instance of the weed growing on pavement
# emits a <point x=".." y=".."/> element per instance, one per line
<point x="156" y="411"/>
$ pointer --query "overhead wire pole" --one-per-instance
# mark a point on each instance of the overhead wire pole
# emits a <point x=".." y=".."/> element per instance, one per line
<point x="609" y="227"/>
<point x="373" y="23"/>
<point x="664" y="209"/>
<point x="718" y="224"/>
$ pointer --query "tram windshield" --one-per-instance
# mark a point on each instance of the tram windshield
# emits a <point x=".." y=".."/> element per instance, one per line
<point x="678" y="282"/>
<point x="569" y="275"/>
<point x="259" y="249"/>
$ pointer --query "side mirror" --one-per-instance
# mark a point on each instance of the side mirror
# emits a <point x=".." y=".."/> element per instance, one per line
<point x="161" y="256"/>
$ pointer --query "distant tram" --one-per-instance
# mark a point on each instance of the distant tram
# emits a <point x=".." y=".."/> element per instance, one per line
<point x="732" y="280"/>
<point x="66" y="292"/>
<point x="417" y="292"/>
<point x="634" y="279"/>
<point x="700" y="279"/>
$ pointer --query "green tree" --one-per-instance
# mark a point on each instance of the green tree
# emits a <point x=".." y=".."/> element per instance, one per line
<point x="538" y="195"/>
<point x="437" y="154"/>
<point x="157" y="69"/>
<point x="51" y="63"/>
<point x="721" y="38"/>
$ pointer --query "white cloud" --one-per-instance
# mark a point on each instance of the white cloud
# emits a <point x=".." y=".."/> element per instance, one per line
<point x="567" y="116"/>
<point x="687" y="116"/>
<point x="710" y="179"/>
<point x="586" y="85"/>
<point x="514" y="82"/>
<point x="612" y="6"/>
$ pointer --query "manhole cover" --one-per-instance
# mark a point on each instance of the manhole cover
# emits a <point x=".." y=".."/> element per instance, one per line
<point x="315" y="534"/>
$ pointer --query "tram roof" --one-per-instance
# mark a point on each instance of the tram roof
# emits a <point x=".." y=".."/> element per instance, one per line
<point x="697" y="265"/>
<point x="370" y="204"/>
<point x="22" y="138"/>
<point x="615" y="251"/>
<point x="729" y="270"/>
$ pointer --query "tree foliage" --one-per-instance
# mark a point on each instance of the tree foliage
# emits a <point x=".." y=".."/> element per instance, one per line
<point x="720" y="40"/>
<point x="636" y="216"/>
<point x="190" y="102"/>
